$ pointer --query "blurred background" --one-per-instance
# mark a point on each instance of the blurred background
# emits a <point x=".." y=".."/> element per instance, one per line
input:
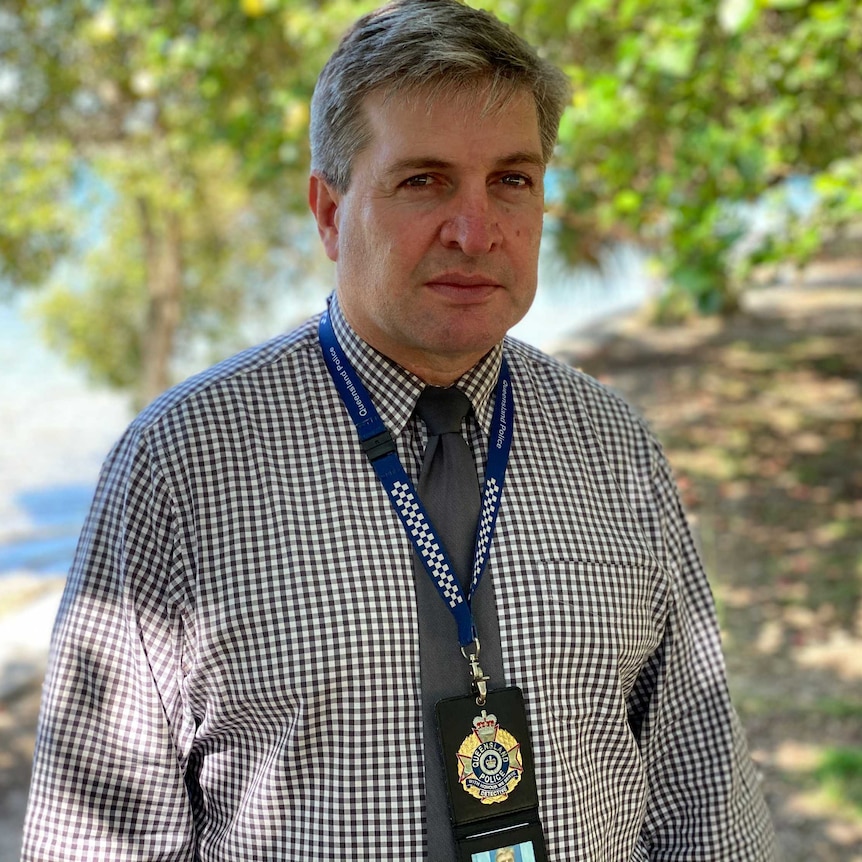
<point x="702" y="255"/>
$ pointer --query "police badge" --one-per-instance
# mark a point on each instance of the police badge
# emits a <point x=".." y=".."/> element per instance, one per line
<point x="489" y="761"/>
<point x="490" y="775"/>
<point x="490" y="772"/>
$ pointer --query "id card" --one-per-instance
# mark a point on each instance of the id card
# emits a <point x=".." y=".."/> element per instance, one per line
<point x="490" y="777"/>
<point x="520" y="843"/>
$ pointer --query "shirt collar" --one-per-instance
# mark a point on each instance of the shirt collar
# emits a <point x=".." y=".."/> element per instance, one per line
<point x="394" y="390"/>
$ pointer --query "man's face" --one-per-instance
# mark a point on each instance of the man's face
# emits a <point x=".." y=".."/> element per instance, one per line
<point x="507" y="855"/>
<point x="436" y="240"/>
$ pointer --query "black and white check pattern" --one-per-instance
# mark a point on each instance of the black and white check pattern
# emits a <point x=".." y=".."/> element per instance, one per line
<point x="235" y="668"/>
<point x="490" y="496"/>
<point x="426" y="543"/>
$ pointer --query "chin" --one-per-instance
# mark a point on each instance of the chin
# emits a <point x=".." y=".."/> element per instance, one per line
<point x="475" y="345"/>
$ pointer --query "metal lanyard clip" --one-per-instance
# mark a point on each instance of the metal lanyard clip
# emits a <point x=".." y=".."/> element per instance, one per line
<point x="478" y="678"/>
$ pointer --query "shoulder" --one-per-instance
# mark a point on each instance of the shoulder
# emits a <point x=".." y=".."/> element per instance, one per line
<point x="260" y="372"/>
<point x="585" y="421"/>
<point x="216" y="409"/>
<point x="554" y="385"/>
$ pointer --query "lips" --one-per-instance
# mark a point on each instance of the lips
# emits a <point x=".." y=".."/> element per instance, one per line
<point x="457" y="279"/>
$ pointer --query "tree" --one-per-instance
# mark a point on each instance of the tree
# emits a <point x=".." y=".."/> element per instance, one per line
<point x="186" y="122"/>
<point x="685" y="110"/>
<point x="190" y="121"/>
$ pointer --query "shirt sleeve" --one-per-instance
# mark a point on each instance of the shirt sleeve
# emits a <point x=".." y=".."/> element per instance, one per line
<point x="704" y="799"/>
<point x="108" y="778"/>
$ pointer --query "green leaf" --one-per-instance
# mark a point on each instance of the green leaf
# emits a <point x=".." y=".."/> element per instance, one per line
<point x="627" y="201"/>
<point x="736" y="16"/>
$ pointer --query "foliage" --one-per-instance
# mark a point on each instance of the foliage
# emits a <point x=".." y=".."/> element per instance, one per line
<point x="193" y="116"/>
<point x="34" y="226"/>
<point x="841" y="772"/>
<point x="683" y="110"/>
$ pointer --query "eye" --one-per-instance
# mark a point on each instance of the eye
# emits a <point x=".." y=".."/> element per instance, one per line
<point x="420" y="181"/>
<point x="517" y="181"/>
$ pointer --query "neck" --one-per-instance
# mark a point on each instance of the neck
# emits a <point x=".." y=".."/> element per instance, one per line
<point x="437" y="376"/>
<point x="436" y="369"/>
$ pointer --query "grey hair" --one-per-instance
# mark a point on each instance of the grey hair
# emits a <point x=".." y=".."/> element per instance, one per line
<point x="436" y="46"/>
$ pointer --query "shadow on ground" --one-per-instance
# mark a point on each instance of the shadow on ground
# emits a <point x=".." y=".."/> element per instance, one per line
<point x="761" y="417"/>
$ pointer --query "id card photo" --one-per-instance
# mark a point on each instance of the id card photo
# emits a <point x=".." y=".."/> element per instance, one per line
<point x="514" y="853"/>
<point x="518" y="842"/>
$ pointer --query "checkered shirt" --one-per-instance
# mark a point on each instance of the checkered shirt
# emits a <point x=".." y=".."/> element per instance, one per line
<point x="235" y="671"/>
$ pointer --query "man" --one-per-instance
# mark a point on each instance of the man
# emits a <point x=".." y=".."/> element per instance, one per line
<point x="249" y="653"/>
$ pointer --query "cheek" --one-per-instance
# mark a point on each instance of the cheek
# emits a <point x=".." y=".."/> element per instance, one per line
<point x="355" y="249"/>
<point x="527" y="243"/>
<point x="528" y="228"/>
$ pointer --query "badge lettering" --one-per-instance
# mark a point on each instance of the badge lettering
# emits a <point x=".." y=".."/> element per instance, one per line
<point x="489" y="761"/>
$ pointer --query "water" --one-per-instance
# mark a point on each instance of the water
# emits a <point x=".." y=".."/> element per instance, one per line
<point x="55" y="430"/>
<point x="570" y="301"/>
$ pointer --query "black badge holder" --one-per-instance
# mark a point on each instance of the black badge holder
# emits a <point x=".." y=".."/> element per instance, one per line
<point x="490" y="777"/>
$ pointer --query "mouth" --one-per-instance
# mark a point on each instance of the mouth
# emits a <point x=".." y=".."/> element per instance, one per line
<point x="462" y="287"/>
<point x="457" y="279"/>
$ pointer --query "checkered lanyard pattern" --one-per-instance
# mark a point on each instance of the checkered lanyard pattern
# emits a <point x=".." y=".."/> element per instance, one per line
<point x="448" y="485"/>
<point x="378" y="445"/>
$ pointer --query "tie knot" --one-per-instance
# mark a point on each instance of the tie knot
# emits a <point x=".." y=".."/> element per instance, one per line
<point x="442" y="409"/>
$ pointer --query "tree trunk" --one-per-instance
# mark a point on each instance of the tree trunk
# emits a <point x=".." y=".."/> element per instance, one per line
<point x="164" y="269"/>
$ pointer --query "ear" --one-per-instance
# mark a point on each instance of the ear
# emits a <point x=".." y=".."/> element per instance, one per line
<point x="324" y="200"/>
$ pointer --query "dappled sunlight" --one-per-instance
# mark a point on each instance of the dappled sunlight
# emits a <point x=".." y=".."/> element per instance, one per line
<point x="761" y="418"/>
<point x="812" y="798"/>
<point x="840" y="653"/>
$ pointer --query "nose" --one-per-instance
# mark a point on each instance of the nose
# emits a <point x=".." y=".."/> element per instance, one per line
<point x="472" y="225"/>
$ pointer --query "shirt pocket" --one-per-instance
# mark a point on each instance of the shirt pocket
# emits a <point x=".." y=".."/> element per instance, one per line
<point x="598" y="624"/>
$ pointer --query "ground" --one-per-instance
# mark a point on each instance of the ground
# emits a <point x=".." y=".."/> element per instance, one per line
<point x="17" y="730"/>
<point x="761" y="417"/>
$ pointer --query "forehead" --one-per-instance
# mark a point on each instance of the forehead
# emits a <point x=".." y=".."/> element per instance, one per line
<point x="477" y="121"/>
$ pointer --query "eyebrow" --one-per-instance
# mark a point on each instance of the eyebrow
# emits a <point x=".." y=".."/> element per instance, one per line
<point x="424" y="163"/>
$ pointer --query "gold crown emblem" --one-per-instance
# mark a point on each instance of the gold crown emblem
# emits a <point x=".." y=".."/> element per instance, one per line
<point x="485" y="726"/>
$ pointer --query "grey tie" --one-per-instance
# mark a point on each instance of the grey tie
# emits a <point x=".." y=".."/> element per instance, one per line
<point x="449" y="489"/>
<point x="448" y="485"/>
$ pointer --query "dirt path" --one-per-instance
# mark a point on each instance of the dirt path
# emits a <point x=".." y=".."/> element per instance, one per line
<point x="18" y="716"/>
<point x="761" y="418"/>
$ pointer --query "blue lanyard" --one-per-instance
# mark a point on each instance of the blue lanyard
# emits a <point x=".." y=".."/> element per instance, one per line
<point x="378" y="445"/>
